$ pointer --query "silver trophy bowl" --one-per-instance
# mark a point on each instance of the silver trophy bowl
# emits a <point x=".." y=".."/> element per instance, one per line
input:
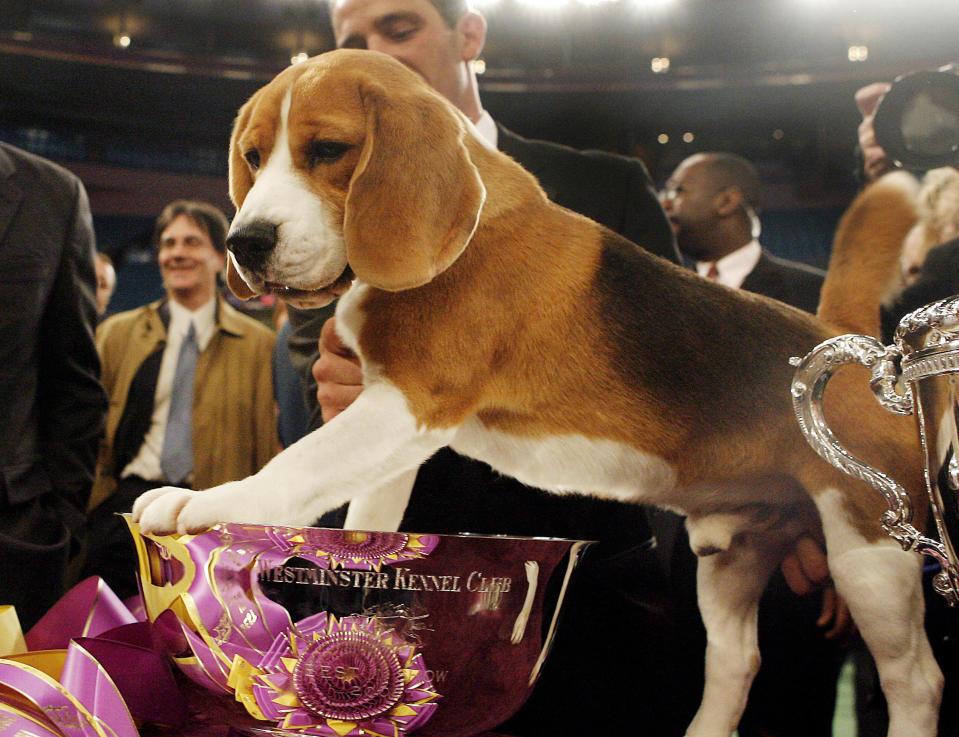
<point x="918" y="375"/>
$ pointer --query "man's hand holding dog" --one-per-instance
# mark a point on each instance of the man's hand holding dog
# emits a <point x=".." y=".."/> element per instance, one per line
<point x="805" y="569"/>
<point x="339" y="379"/>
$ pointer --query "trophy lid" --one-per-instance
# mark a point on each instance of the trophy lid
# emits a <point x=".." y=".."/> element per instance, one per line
<point x="929" y="339"/>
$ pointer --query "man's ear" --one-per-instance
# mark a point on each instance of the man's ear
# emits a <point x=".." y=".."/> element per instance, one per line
<point x="728" y="201"/>
<point x="472" y="30"/>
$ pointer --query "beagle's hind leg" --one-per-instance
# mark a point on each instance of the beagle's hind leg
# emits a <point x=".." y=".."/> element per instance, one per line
<point x="729" y="585"/>
<point x="882" y="586"/>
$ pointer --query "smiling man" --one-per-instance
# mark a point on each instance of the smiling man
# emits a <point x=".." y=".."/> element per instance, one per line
<point x="190" y="385"/>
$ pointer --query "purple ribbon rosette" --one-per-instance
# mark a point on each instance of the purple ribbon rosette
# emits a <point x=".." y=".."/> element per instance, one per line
<point x="339" y="678"/>
<point x="88" y="667"/>
<point x="345" y="633"/>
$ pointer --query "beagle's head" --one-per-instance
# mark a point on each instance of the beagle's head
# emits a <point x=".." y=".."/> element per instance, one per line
<point x="348" y="165"/>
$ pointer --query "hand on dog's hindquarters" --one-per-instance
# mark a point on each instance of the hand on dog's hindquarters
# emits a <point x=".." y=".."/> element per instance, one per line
<point x="806" y="569"/>
<point x="339" y="379"/>
<point x="835" y="616"/>
<point x="875" y="161"/>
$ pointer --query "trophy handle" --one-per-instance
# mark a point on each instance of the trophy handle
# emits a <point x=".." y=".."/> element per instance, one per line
<point x="809" y="384"/>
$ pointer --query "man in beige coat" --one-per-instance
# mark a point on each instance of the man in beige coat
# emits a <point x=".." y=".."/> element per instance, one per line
<point x="232" y="431"/>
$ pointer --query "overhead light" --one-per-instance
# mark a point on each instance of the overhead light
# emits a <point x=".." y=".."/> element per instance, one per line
<point x="299" y="58"/>
<point x="688" y="137"/>
<point x="556" y="5"/>
<point x="858" y="53"/>
<point x="479" y="66"/>
<point x="650" y="4"/>
<point x="544" y="4"/>
<point x="663" y="138"/>
<point x="659" y="64"/>
<point x="121" y="31"/>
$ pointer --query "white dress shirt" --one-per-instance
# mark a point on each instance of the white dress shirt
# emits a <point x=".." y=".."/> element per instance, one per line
<point x="486" y="127"/>
<point x="734" y="267"/>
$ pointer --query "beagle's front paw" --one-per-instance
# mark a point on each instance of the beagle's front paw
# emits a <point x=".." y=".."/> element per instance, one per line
<point x="157" y="511"/>
<point x="167" y="510"/>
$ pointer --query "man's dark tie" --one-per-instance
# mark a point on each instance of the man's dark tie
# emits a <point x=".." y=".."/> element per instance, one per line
<point x="713" y="272"/>
<point x="176" y="459"/>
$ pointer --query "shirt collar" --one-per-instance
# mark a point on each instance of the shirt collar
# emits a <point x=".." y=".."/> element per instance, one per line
<point x="204" y="320"/>
<point x="486" y="127"/>
<point x="734" y="267"/>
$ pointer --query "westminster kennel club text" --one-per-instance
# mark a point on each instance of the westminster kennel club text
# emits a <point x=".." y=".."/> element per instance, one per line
<point x="403" y="579"/>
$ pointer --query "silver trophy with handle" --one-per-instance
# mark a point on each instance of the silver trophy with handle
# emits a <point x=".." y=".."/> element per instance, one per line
<point x="918" y="375"/>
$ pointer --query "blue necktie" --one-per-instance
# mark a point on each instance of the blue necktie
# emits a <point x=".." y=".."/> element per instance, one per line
<point x="176" y="458"/>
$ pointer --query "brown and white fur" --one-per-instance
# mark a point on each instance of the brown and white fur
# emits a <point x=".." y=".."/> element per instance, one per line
<point x="519" y="333"/>
<point x="938" y="211"/>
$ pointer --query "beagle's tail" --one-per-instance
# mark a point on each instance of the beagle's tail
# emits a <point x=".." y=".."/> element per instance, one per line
<point x="864" y="265"/>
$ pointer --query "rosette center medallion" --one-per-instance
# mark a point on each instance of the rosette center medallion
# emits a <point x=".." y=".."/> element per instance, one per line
<point x="349" y="676"/>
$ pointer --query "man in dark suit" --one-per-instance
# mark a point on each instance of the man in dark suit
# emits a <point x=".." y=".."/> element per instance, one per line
<point x="711" y="200"/>
<point x="620" y="598"/>
<point x="631" y="644"/>
<point x="50" y="391"/>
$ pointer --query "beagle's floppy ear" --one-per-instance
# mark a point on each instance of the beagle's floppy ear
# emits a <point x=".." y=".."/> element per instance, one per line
<point x="240" y="182"/>
<point x="415" y="196"/>
<point x="237" y="285"/>
<point x="239" y="177"/>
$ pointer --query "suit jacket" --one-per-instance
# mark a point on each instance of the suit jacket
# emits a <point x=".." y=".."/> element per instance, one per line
<point x="234" y="423"/>
<point x="615" y="191"/>
<point x="53" y="404"/>
<point x="791" y="282"/>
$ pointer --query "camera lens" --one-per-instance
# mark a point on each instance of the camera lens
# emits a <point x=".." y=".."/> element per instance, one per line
<point x="917" y="122"/>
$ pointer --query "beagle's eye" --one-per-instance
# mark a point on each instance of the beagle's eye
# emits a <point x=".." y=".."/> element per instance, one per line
<point x="320" y="152"/>
<point x="252" y="158"/>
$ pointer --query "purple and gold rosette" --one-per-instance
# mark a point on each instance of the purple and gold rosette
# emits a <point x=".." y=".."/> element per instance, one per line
<point x="352" y="549"/>
<point x="347" y="633"/>
<point x="338" y="678"/>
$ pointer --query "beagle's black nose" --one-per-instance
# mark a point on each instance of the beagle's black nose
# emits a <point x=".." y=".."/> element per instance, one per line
<point x="252" y="243"/>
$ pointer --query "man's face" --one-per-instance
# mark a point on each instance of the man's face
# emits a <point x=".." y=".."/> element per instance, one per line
<point x="188" y="262"/>
<point x="106" y="283"/>
<point x="411" y="31"/>
<point x="689" y="200"/>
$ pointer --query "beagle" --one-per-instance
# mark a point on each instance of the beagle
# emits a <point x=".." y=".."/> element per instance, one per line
<point x="488" y="319"/>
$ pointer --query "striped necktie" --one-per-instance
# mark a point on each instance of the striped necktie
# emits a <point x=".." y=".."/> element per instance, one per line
<point x="176" y="458"/>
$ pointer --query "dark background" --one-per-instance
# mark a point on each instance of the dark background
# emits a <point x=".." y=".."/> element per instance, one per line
<point x="769" y="79"/>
